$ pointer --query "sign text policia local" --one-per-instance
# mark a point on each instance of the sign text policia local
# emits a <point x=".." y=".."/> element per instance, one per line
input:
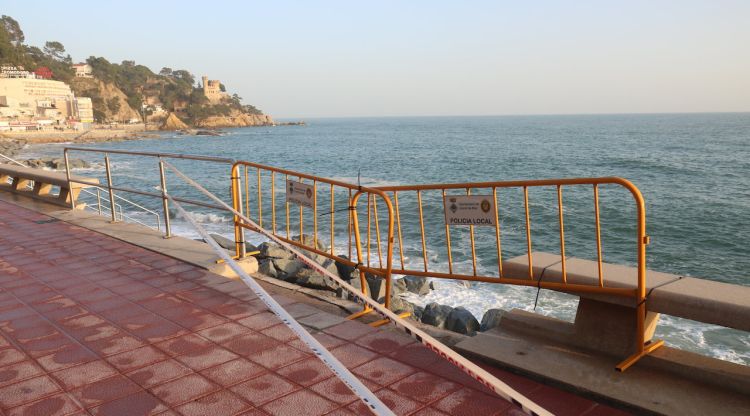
<point x="299" y="193"/>
<point x="469" y="210"/>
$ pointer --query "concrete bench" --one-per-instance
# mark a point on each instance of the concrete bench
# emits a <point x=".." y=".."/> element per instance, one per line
<point x="17" y="179"/>
<point x="700" y="300"/>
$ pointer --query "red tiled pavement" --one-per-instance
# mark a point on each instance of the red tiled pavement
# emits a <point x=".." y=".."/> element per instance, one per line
<point x="92" y="325"/>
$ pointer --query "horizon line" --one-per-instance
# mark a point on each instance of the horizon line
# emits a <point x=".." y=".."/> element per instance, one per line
<point x="515" y="115"/>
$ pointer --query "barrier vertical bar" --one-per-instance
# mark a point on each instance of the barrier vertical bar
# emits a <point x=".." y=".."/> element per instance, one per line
<point x="286" y="204"/>
<point x="315" y="214"/>
<point x="562" y="233"/>
<point x="598" y="236"/>
<point x="528" y="230"/>
<point x="448" y="240"/>
<point x="165" y="201"/>
<point x="273" y="201"/>
<point x="377" y="230"/>
<point x="497" y="233"/>
<point x="247" y="194"/>
<point x="108" y="170"/>
<point x="400" y="240"/>
<point x="368" y="228"/>
<point x="332" y="220"/>
<point x="473" y="246"/>
<point x="239" y="232"/>
<point x="260" y="201"/>
<point x="421" y="227"/>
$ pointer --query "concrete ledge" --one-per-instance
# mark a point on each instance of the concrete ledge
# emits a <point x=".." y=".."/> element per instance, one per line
<point x="700" y="300"/>
<point x="643" y="387"/>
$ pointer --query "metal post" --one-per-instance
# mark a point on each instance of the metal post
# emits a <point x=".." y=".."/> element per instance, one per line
<point x="112" y="208"/>
<point x="165" y="201"/>
<point x="67" y="176"/>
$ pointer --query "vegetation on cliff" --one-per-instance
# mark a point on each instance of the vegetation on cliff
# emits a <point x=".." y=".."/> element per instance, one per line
<point x="122" y="90"/>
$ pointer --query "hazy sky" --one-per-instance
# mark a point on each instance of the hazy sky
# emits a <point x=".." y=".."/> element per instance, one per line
<point x="382" y="58"/>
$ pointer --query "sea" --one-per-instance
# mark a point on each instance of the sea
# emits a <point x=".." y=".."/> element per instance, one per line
<point x="692" y="169"/>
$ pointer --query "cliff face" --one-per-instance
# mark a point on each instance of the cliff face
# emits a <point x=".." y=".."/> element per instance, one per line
<point x="104" y="96"/>
<point x="173" y="123"/>
<point x="237" y="120"/>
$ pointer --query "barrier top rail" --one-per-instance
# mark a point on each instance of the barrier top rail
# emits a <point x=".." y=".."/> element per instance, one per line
<point x="152" y="154"/>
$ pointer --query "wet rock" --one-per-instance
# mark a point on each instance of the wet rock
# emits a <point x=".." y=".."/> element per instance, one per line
<point x="399" y="305"/>
<point x="308" y="240"/>
<point x="417" y="312"/>
<point x="435" y="314"/>
<point x="287" y="268"/>
<point x="345" y="270"/>
<point x="274" y="251"/>
<point x="491" y="319"/>
<point x="414" y="284"/>
<point x="56" y="163"/>
<point x="312" y="279"/>
<point x="462" y="321"/>
<point x="376" y="285"/>
<point x="267" y="268"/>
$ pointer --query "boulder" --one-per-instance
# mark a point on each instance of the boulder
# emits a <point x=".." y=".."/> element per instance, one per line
<point x="345" y="270"/>
<point x="272" y="250"/>
<point x="491" y="319"/>
<point x="287" y="268"/>
<point x="376" y="285"/>
<point x="223" y="241"/>
<point x="399" y="305"/>
<point x="312" y="279"/>
<point x="435" y="314"/>
<point x="415" y="284"/>
<point x="308" y="241"/>
<point x="462" y="321"/>
<point x="417" y="312"/>
<point x="267" y="268"/>
<point x="172" y="122"/>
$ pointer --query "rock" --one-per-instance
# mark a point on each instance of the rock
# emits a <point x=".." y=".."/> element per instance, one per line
<point x="491" y="319"/>
<point x="207" y="133"/>
<point x="56" y="163"/>
<point x="287" y="268"/>
<point x="418" y="285"/>
<point x="435" y="314"/>
<point x="223" y="241"/>
<point x="345" y="270"/>
<point x="272" y="250"/>
<point x="462" y="321"/>
<point x="417" y="312"/>
<point x="312" y="279"/>
<point x="172" y="122"/>
<point x="399" y="305"/>
<point x="308" y="241"/>
<point x="376" y="286"/>
<point x="267" y="268"/>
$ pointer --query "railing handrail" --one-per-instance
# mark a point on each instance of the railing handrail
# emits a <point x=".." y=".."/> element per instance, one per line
<point x="152" y="154"/>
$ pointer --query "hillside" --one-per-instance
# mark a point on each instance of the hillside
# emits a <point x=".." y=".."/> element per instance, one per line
<point x="126" y="91"/>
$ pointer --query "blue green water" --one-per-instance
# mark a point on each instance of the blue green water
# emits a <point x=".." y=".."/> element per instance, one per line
<point x="693" y="170"/>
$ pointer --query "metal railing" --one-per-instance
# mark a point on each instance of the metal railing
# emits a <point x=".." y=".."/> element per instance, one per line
<point x="103" y="209"/>
<point x="110" y="188"/>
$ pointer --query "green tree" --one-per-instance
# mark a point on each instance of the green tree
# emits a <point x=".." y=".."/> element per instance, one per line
<point x="113" y="104"/>
<point x="222" y="88"/>
<point x="54" y="50"/>
<point x="166" y="72"/>
<point x="13" y="29"/>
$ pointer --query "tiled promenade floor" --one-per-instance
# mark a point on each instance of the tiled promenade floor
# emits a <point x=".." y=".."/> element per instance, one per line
<point x="93" y="325"/>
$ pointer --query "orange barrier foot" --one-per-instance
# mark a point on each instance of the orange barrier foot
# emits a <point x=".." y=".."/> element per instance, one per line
<point x="647" y="349"/>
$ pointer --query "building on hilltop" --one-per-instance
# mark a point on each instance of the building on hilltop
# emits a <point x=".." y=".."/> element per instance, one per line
<point x="212" y="90"/>
<point x="83" y="70"/>
<point x="25" y="96"/>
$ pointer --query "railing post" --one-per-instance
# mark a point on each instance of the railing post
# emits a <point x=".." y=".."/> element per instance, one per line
<point x="164" y="200"/>
<point x="67" y="176"/>
<point x="239" y="232"/>
<point x="112" y="208"/>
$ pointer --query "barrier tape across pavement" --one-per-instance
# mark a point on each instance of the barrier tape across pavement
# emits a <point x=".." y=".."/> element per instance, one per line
<point x="474" y="371"/>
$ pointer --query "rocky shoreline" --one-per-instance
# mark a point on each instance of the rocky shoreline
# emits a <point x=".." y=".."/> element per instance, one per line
<point x="277" y="262"/>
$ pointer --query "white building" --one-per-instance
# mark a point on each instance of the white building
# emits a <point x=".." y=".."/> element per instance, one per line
<point x="83" y="70"/>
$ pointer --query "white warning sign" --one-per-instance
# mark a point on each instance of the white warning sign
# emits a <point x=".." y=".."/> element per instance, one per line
<point x="469" y="210"/>
<point x="299" y="193"/>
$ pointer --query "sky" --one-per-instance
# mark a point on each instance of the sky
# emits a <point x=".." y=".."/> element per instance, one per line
<point x="306" y="59"/>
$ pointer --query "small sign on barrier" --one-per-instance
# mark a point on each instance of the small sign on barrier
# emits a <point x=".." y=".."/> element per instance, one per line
<point x="469" y="210"/>
<point x="299" y="193"/>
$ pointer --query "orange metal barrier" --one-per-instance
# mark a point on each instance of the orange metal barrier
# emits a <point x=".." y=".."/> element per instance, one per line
<point x="367" y="262"/>
<point x="267" y="177"/>
<point x="528" y="279"/>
